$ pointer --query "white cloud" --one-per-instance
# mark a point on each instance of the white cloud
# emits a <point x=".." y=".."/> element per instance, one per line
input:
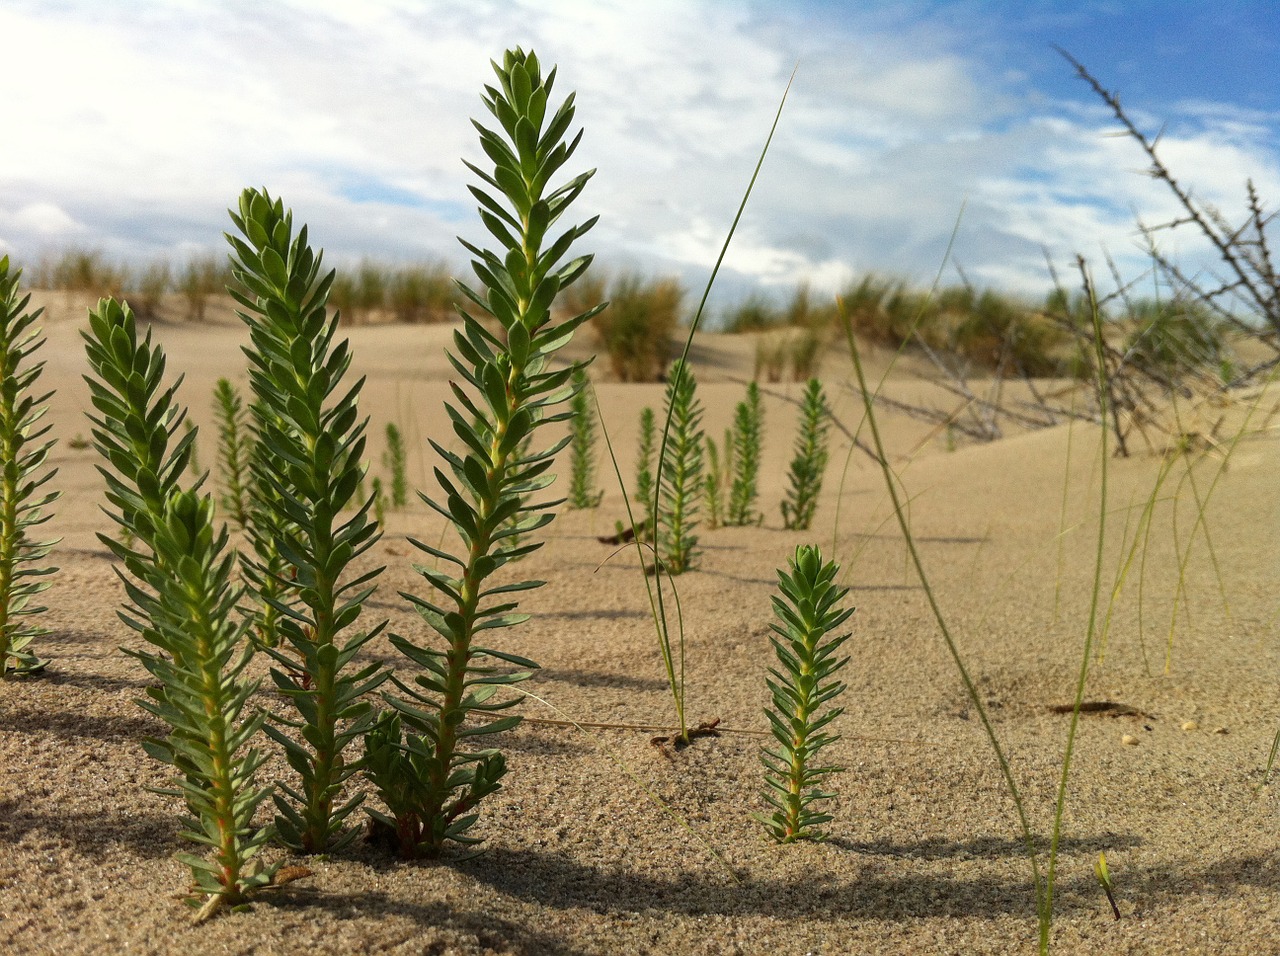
<point x="147" y="118"/>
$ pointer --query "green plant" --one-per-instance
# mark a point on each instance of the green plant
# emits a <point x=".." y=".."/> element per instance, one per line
<point x="307" y="464"/>
<point x="681" y="469"/>
<point x="644" y="465"/>
<point x="810" y="460"/>
<point x="1043" y="899"/>
<point x="22" y="457"/>
<point x="803" y="688"/>
<point x="379" y="501"/>
<point x="748" y="436"/>
<point x="1175" y="339"/>
<point x="673" y="651"/>
<point x="396" y="461"/>
<point x="582" y="455"/>
<point x="182" y="602"/>
<point x="713" y="484"/>
<point x="490" y="485"/>
<point x="1103" y="874"/>
<point x="193" y="463"/>
<point x="235" y="452"/>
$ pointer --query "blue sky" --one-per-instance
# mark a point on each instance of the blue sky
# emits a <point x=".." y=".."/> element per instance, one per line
<point x="131" y="127"/>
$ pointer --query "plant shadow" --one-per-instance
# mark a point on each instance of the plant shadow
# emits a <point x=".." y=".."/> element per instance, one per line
<point x="148" y="835"/>
<point x="73" y="723"/>
<point x="492" y="934"/>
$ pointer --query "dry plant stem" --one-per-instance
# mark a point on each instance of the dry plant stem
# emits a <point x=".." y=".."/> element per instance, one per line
<point x="891" y="480"/>
<point x="487" y="489"/>
<point x="22" y="458"/>
<point x="311" y="448"/>
<point x="1249" y="261"/>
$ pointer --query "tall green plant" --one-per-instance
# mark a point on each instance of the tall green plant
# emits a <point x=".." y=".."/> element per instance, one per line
<point x="396" y="461"/>
<point x="488" y="489"/>
<point x="803" y="688"/>
<point x="748" y="437"/>
<point x="810" y="460"/>
<point x="235" y="452"/>
<point x="310" y="452"/>
<point x="22" y="474"/>
<point x="681" y="493"/>
<point x="582" y="453"/>
<point x="183" y="603"/>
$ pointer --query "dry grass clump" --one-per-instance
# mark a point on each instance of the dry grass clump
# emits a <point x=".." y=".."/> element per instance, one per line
<point x="637" y="327"/>
<point x="414" y="293"/>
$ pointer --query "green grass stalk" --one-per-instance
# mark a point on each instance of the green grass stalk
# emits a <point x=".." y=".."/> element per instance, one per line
<point x="656" y="594"/>
<point x="891" y="484"/>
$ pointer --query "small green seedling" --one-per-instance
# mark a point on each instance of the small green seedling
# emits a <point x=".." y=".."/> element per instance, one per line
<point x="22" y="458"/>
<point x="235" y="451"/>
<point x="803" y="687"/>
<point x="747" y="441"/>
<point x="379" y="501"/>
<point x="582" y="455"/>
<point x="397" y="463"/>
<point x="810" y="460"/>
<point x="644" y="472"/>
<point x="713" y="485"/>
<point x="1101" y="871"/>
<point x="682" y="487"/>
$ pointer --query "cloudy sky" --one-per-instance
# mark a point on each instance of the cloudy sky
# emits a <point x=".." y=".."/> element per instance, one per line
<point x="131" y="125"/>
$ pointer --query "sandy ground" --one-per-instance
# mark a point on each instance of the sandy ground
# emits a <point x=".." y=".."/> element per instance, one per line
<point x="924" y="855"/>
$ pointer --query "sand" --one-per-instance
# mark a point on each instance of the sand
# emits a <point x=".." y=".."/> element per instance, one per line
<point x="602" y="843"/>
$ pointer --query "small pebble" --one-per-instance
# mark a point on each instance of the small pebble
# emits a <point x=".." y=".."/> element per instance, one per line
<point x="1129" y="740"/>
<point x="1221" y="730"/>
<point x="1190" y="725"/>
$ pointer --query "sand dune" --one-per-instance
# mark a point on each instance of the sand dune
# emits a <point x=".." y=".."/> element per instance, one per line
<point x="924" y="855"/>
